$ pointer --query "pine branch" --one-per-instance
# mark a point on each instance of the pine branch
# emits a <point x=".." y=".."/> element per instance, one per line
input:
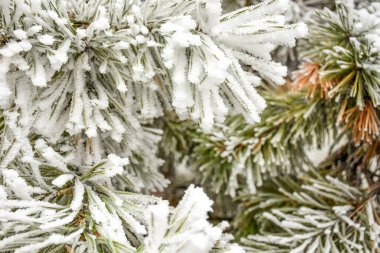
<point x="100" y="71"/>
<point x="310" y="213"/>
<point x="81" y="81"/>
<point x="343" y="43"/>
<point x="358" y="165"/>
<point x="270" y="144"/>
<point x="248" y="154"/>
<point x="84" y="213"/>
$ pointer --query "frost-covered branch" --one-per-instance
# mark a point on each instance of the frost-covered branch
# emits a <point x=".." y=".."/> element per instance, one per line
<point x="310" y="214"/>
<point x="100" y="70"/>
<point x="82" y="59"/>
<point x="344" y="45"/>
<point x="240" y="157"/>
<point x="338" y="87"/>
<point x="83" y="213"/>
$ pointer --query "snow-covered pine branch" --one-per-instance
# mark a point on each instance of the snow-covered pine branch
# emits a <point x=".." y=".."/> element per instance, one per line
<point x="335" y="90"/>
<point x="203" y="51"/>
<point x="184" y="229"/>
<point x="82" y="213"/>
<point x="238" y="157"/>
<point x="310" y="213"/>
<point x="79" y="83"/>
<point x="82" y="57"/>
<point x="98" y="70"/>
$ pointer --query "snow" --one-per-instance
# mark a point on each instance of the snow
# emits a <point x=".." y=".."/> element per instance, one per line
<point x="20" y="34"/>
<point x="51" y="240"/>
<point x="17" y="184"/>
<point x="4" y="86"/>
<point x="62" y="180"/>
<point x="78" y="196"/>
<point x="59" y="56"/>
<point x="114" y="165"/>
<point x="46" y="39"/>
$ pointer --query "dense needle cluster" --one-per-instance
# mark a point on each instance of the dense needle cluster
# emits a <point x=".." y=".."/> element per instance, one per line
<point x="291" y="198"/>
<point x="81" y="83"/>
<point x="107" y="104"/>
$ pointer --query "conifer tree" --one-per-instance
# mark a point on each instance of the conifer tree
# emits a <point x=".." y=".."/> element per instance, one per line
<point x="288" y="203"/>
<point x="81" y="85"/>
<point x="189" y="126"/>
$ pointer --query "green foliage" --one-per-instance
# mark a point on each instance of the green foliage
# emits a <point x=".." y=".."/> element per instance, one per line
<point x="309" y="213"/>
<point x="353" y="163"/>
<point x="239" y="154"/>
<point x="345" y="52"/>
